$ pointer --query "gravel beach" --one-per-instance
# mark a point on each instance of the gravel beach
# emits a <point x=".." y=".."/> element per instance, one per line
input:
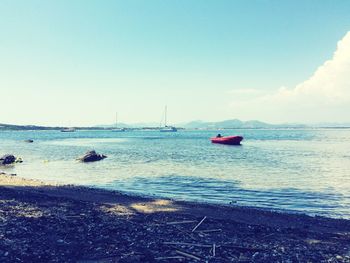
<point x="41" y="222"/>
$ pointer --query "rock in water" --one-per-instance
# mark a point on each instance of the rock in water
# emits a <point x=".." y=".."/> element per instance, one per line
<point x="19" y="160"/>
<point x="92" y="156"/>
<point x="7" y="159"/>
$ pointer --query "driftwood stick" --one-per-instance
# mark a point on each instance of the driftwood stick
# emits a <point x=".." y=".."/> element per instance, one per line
<point x="187" y="255"/>
<point x="194" y="229"/>
<point x="186" y="244"/>
<point x="181" y="222"/>
<point x="210" y="230"/>
<point x="174" y="257"/>
<point x="183" y="232"/>
<point x="269" y="235"/>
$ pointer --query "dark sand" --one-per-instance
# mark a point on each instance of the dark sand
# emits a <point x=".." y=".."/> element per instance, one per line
<point x="42" y="222"/>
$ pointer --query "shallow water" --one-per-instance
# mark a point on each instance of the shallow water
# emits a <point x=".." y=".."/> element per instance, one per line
<point x="299" y="170"/>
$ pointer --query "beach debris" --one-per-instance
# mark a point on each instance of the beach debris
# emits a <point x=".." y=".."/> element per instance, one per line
<point x="181" y="222"/>
<point x="79" y="230"/>
<point x="92" y="156"/>
<point x="167" y="258"/>
<point x="187" y="244"/>
<point x="194" y="229"/>
<point x="182" y="253"/>
<point x="29" y="141"/>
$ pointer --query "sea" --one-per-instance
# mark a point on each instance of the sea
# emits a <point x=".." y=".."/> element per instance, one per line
<point x="294" y="170"/>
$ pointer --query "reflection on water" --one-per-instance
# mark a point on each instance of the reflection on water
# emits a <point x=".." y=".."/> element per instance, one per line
<point x="301" y="170"/>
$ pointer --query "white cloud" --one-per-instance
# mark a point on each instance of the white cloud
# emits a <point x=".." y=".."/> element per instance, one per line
<point x="325" y="96"/>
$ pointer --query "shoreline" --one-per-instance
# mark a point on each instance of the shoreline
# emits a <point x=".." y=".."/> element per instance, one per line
<point x="43" y="221"/>
<point x="232" y="204"/>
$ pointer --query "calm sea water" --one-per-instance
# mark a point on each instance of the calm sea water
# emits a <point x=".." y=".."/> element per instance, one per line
<point x="299" y="170"/>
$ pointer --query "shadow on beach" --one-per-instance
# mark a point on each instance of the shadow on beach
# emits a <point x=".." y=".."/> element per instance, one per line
<point x="42" y="223"/>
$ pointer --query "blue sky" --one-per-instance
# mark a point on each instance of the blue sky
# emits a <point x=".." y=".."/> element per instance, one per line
<point x="78" y="62"/>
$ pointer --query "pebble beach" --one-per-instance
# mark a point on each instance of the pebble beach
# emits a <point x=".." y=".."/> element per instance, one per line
<point x="46" y="222"/>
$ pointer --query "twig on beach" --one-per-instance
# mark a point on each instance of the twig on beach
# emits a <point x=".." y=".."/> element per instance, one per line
<point x="174" y="257"/>
<point x="186" y="244"/>
<point x="194" y="229"/>
<point x="187" y="255"/>
<point x="268" y="235"/>
<point x="184" y="232"/>
<point x="211" y="230"/>
<point x="181" y="222"/>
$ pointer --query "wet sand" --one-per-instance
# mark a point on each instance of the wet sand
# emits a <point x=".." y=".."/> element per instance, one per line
<point x="42" y="222"/>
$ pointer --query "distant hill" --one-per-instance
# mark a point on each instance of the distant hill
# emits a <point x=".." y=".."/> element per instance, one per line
<point x="254" y="124"/>
<point x="26" y="127"/>
<point x="130" y="126"/>
<point x="331" y="125"/>
<point x="12" y="127"/>
<point x="227" y="124"/>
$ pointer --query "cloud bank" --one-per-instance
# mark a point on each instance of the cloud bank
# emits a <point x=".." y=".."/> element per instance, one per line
<point x="325" y="96"/>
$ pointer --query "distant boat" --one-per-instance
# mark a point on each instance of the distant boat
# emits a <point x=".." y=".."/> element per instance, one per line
<point x="230" y="140"/>
<point x="68" y="130"/>
<point x="116" y="129"/>
<point x="167" y="128"/>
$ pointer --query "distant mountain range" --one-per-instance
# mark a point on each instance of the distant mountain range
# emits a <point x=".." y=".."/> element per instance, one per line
<point x="35" y="127"/>
<point x="226" y="124"/>
<point x="130" y="126"/>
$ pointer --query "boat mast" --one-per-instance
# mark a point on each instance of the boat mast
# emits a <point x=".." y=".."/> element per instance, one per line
<point x="165" y="116"/>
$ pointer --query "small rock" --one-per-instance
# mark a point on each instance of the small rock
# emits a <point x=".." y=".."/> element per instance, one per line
<point x="29" y="141"/>
<point x="19" y="160"/>
<point x="92" y="156"/>
<point x="7" y="159"/>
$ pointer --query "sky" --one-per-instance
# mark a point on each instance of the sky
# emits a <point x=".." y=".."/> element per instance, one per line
<point x="78" y="62"/>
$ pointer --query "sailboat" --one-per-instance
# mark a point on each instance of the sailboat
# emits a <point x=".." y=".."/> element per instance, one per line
<point x="116" y="129"/>
<point x="167" y="128"/>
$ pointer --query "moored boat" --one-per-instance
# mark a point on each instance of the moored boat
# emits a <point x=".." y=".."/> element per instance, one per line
<point x="230" y="140"/>
<point x="167" y="128"/>
<point x="68" y="130"/>
<point x="116" y="129"/>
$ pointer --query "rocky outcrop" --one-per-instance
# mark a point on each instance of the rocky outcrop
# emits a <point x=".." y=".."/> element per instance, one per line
<point x="92" y="156"/>
<point x="7" y="159"/>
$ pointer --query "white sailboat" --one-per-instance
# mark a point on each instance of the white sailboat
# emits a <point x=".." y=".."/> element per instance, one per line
<point x="116" y="129"/>
<point x="167" y="128"/>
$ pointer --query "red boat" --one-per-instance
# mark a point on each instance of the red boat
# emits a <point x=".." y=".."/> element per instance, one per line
<point x="230" y="140"/>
